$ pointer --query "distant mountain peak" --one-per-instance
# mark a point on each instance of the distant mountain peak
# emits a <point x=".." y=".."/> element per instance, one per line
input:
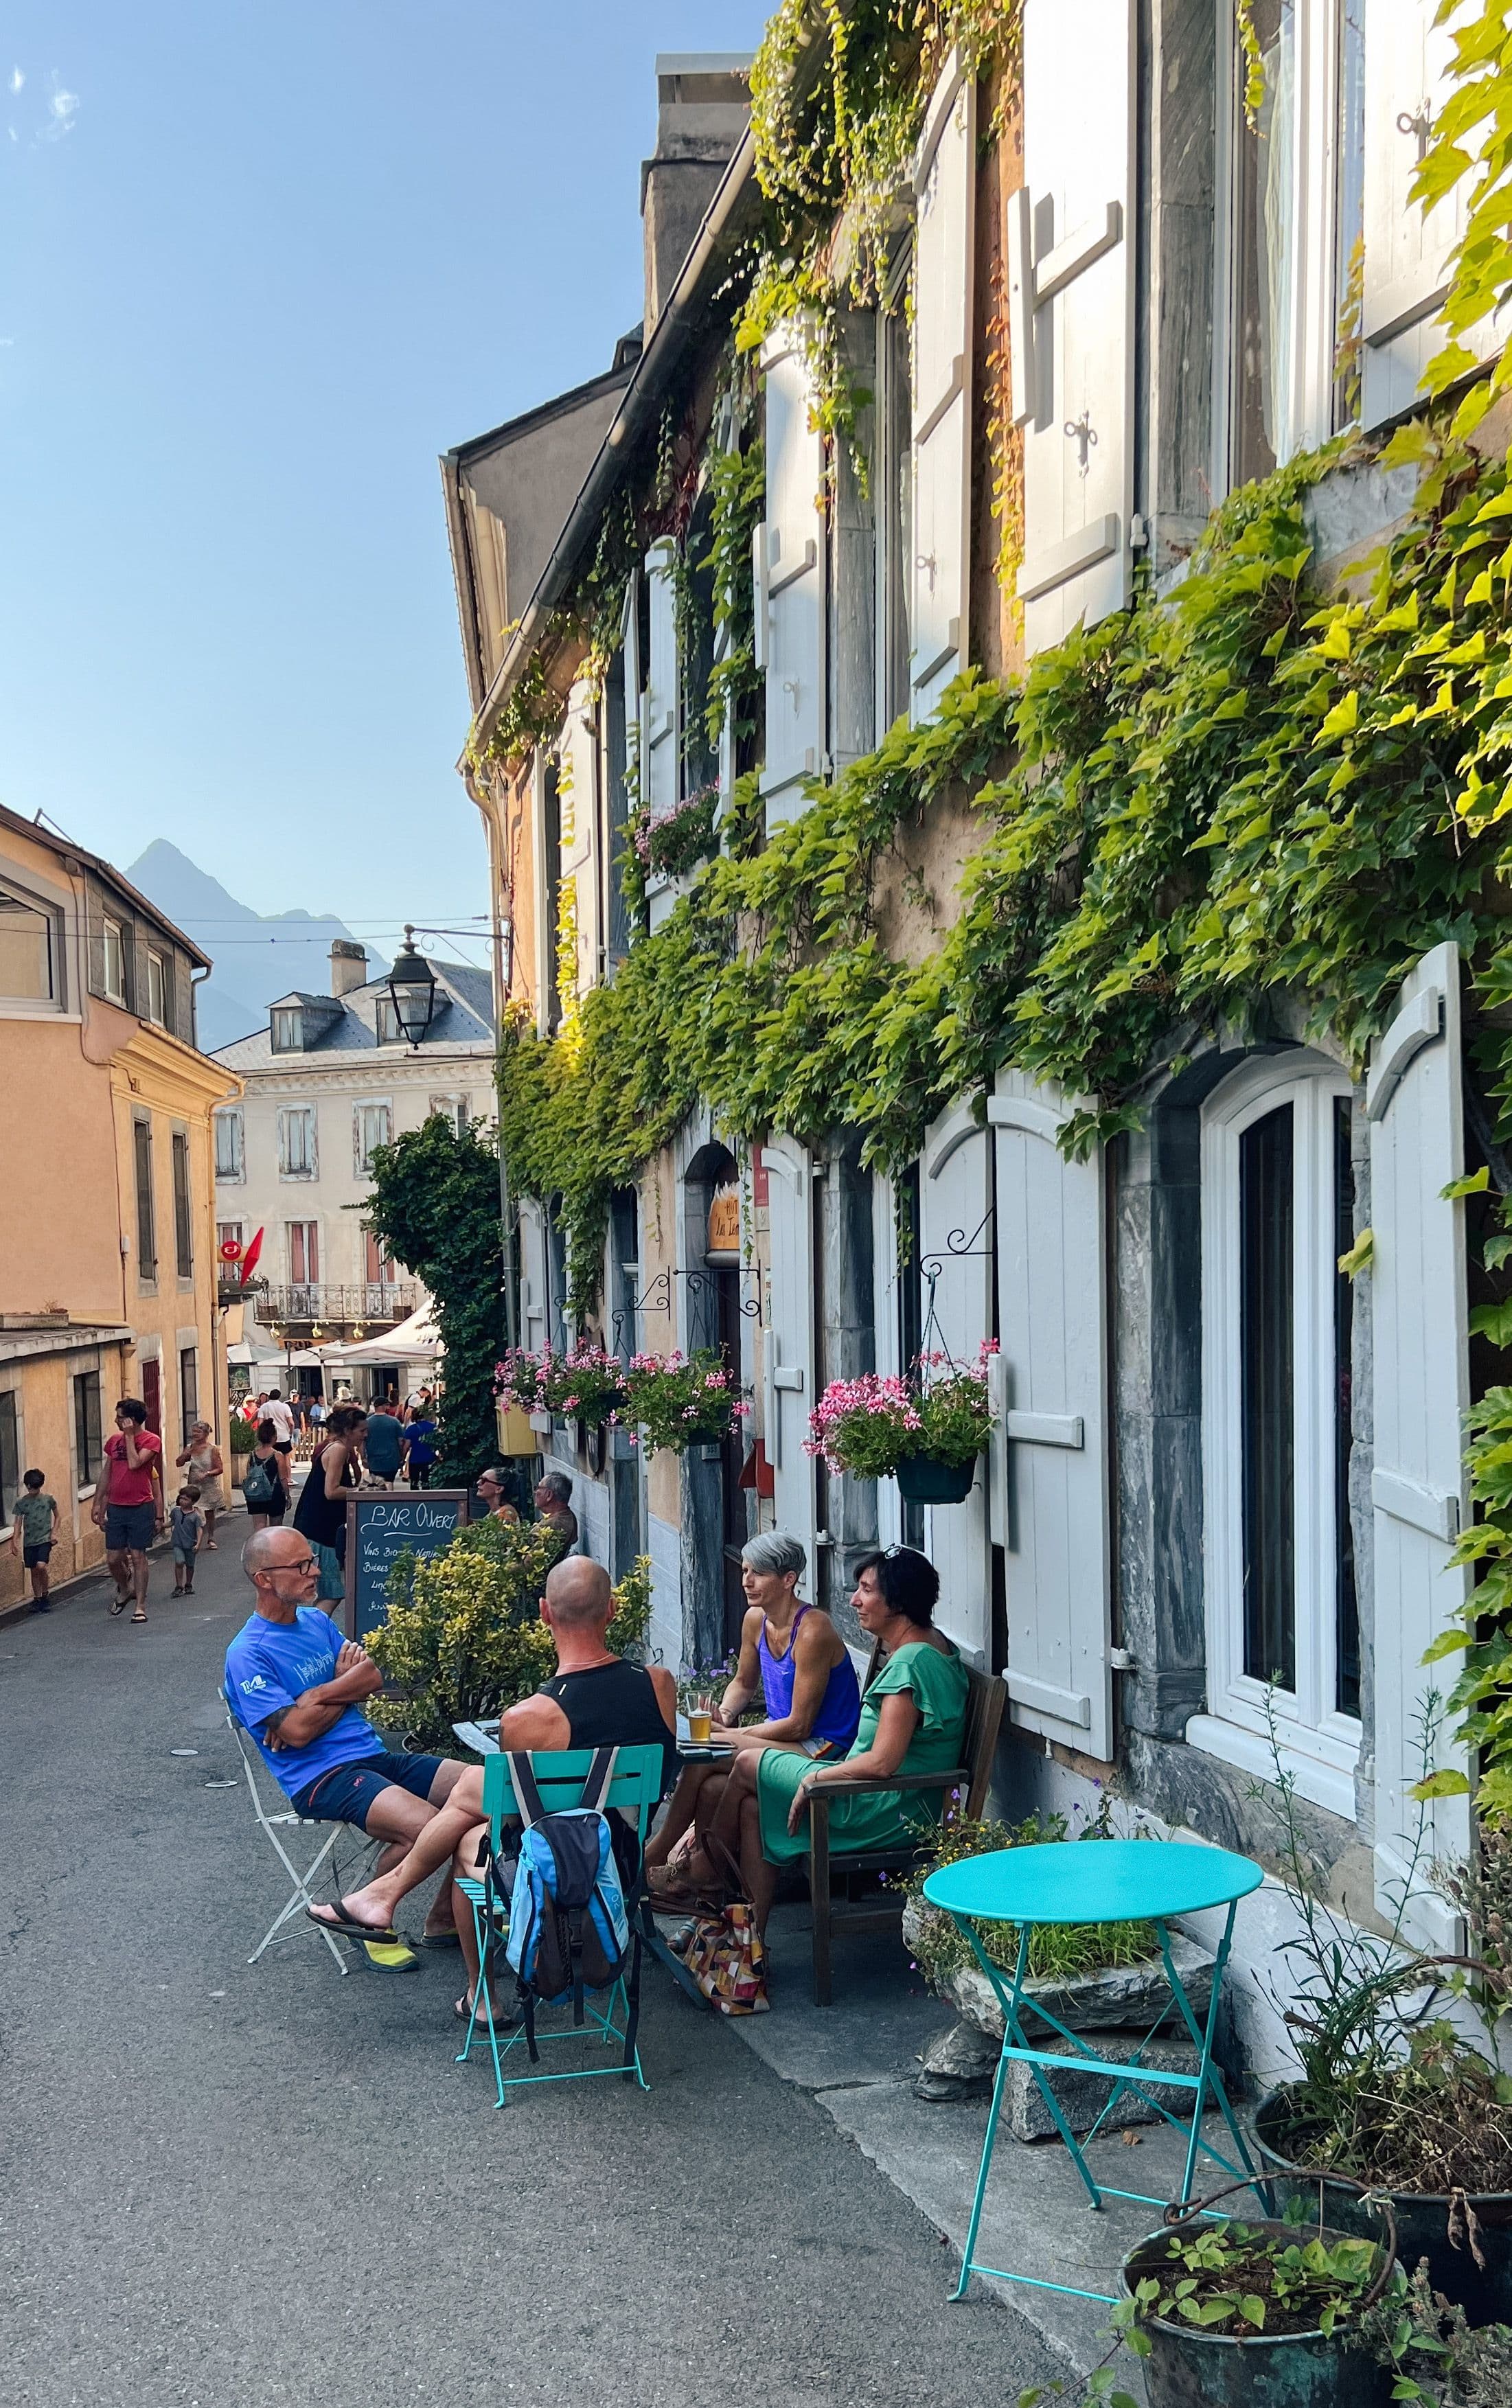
<point x="257" y="956"/>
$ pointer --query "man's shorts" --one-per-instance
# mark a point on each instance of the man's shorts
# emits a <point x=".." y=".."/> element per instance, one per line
<point x="130" y="1525"/>
<point x="346" y="1793"/>
<point x="31" y="1555"/>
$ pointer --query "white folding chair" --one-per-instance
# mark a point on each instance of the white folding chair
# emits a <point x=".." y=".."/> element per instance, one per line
<point x="275" y="1826"/>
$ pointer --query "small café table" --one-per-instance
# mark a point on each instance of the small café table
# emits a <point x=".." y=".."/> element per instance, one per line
<point x="1096" y="1881"/>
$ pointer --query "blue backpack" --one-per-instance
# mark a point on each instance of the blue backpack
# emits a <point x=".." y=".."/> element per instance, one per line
<point x="569" y="1930"/>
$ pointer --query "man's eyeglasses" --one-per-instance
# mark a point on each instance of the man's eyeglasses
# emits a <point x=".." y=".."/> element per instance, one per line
<point x="302" y="1564"/>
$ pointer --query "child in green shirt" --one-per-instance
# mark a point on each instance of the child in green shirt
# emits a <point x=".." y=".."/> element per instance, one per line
<point x="33" y="1530"/>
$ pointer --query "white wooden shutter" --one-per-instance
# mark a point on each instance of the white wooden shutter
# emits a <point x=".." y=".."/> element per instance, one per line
<point x="944" y="181"/>
<point x="1421" y="1386"/>
<point x="794" y="579"/>
<point x="577" y="790"/>
<point x="1051" y="1460"/>
<point x="787" y="1339"/>
<point x="954" y="1192"/>
<point x="1406" y="267"/>
<point x="660" y="771"/>
<point x="1077" y="402"/>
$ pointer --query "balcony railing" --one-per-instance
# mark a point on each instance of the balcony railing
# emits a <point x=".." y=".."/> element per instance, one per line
<point x="370" y="1302"/>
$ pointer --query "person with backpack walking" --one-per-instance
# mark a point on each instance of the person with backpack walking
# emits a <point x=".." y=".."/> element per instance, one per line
<point x="264" y="1487"/>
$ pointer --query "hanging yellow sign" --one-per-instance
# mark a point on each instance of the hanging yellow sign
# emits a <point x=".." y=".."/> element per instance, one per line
<point x="725" y="1222"/>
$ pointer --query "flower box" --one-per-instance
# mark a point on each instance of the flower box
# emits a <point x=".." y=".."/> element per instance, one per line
<point x="926" y="1432"/>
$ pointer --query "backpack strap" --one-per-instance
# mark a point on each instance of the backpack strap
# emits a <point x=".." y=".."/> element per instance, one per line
<point x="526" y="1795"/>
<point x="600" y="1774"/>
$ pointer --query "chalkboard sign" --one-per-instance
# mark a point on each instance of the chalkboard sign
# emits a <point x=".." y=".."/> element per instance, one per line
<point x="384" y="1524"/>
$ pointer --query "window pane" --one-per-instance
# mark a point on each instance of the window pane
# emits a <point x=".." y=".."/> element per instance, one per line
<point x="1266" y="1215"/>
<point x="1264" y="251"/>
<point x="26" y="951"/>
<point x="188" y="1389"/>
<point x="182" y="1222"/>
<point x="1346" y="1602"/>
<point x="113" y="957"/>
<point x="87" y="1446"/>
<point x="9" y="1466"/>
<point x="156" y="1007"/>
<point x="1349" y="243"/>
<point x="228" y="1145"/>
<point x="146" y="1234"/>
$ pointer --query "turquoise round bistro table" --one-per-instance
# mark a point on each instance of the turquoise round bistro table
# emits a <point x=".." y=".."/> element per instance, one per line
<point x="1098" y="1881"/>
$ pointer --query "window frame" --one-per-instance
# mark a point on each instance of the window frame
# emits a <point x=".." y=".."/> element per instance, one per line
<point x="26" y="1005"/>
<point x="10" y="1466"/>
<point x="145" y="1178"/>
<point x="110" y="928"/>
<point x="157" y="979"/>
<point x="280" y="1021"/>
<point x="89" y="1430"/>
<point x="1319" y="1744"/>
<point x="457" y="1109"/>
<point x="386" y="1028"/>
<point x="362" y="1153"/>
<point x="310" y="1241"/>
<point x="184" y="1205"/>
<point x="230" y="1117"/>
<point x="893" y="425"/>
<point x="188" y="1389"/>
<point x="1318" y="177"/>
<point x="306" y="1113"/>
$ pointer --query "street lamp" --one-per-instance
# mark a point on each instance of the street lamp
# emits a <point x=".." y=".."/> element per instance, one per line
<point x="411" y="983"/>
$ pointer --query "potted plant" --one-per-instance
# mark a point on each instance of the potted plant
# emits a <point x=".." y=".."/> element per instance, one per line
<point x="1399" y="2088"/>
<point x="242" y="1439"/>
<point x="1227" y="2311"/>
<point x="680" y="838"/>
<point x="681" y="1400"/>
<point x="520" y="1385"/>
<point x="925" y="1432"/>
<point x="586" y="1384"/>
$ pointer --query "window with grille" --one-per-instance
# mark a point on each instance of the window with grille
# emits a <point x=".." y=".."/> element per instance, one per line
<point x="146" y="1226"/>
<point x="184" y="1227"/>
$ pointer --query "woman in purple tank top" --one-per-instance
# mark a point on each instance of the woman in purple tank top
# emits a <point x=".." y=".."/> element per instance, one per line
<point x="794" y="1657"/>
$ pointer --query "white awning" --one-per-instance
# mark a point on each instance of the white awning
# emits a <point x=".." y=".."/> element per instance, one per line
<point x="413" y="1341"/>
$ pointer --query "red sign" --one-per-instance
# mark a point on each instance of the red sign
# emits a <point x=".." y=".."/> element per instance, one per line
<point x="231" y="1250"/>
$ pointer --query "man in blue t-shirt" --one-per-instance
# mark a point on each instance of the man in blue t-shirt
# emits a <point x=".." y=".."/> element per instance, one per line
<point x="384" y="1444"/>
<point x="296" y="1686"/>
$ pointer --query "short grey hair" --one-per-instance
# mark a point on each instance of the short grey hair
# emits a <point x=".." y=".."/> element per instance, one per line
<point x="775" y="1551"/>
<point x="559" y="1485"/>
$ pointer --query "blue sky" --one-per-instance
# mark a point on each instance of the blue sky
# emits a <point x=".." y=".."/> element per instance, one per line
<point x="260" y="263"/>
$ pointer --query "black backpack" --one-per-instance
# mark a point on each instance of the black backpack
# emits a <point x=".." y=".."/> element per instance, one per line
<point x="259" y="1486"/>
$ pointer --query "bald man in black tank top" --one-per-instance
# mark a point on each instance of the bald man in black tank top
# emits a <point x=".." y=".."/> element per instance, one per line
<point x="594" y="1700"/>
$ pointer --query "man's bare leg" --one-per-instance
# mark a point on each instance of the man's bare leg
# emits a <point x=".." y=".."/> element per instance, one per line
<point x="139" y="1572"/>
<point x="447" y="1822"/>
<point x="119" y="1561"/>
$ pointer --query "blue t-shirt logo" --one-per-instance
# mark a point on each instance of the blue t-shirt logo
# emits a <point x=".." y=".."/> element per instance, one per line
<point x="271" y="1664"/>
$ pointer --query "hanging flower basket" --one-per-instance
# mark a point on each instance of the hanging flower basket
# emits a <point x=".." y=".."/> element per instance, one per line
<point x="925" y="1432"/>
<point x="584" y="1385"/>
<point x="678" y="1400"/>
<point x="924" y="1480"/>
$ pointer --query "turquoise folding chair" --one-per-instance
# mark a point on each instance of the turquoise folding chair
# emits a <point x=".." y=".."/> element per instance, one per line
<point x="636" y="1787"/>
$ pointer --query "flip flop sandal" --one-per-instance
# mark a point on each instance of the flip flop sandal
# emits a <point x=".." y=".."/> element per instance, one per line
<point x="346" y="1929"/>
<point x="138" y="1617"/>
<point x="120" y="1604"/>
<point x="438" y="1939"/>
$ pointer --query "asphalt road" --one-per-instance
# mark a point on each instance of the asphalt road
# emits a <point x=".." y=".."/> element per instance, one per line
<point x="225" y="2187"/>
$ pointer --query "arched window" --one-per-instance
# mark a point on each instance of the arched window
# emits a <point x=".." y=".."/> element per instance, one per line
<point x="1277" y="1336"/>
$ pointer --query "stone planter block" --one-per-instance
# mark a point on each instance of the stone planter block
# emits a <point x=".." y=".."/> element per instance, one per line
<point x="959" y="2063"/>
<point x="1082" y="2097"/>
<point x="1111" y="1999"/>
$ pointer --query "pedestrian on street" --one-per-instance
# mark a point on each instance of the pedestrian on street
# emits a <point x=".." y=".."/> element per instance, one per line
<point x="128" y="1503"/>
<point x="207" y="1471"/>
<point x="267" y="1485"/>
<point x="384" y="1449"/>
<point x="187" y="1525"/>
<point x="33" y="1530"/>
<point x="322" y="1510"/>
<point x="419" y="1447"/>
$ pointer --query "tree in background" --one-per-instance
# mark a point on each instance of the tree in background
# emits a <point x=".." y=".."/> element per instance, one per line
<point x="435" y="1205"/>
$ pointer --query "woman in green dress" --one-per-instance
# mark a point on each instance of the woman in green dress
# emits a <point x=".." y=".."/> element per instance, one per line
<point x="913" y="1721"/>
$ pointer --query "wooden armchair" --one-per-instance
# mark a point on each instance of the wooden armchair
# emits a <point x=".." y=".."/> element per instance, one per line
<point x="984" y="1709"/>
